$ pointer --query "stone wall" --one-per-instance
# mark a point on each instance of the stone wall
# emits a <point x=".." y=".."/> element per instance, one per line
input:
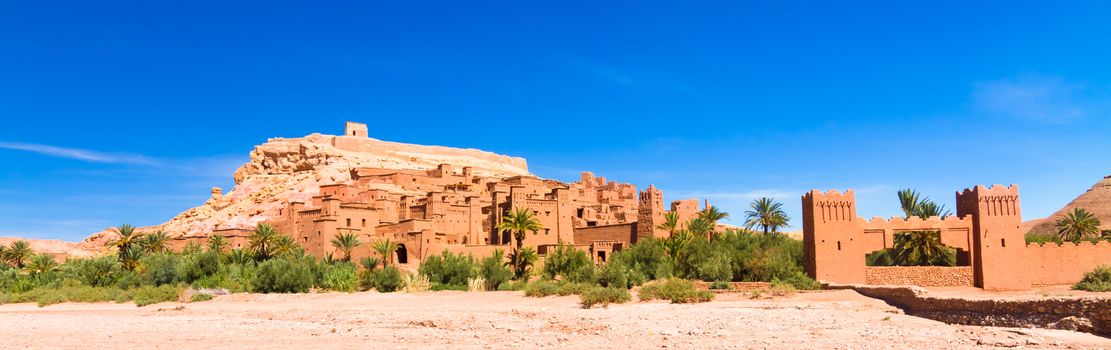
<point x="924" y="276"/>
<point x="1087" y="314"/>
<point x="625" y="233"/>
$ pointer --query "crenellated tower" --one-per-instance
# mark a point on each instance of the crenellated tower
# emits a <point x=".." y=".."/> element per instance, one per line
<point x="650" y="213"/>
<point x="830" y="237"/>
<point x="1000" y="246"/>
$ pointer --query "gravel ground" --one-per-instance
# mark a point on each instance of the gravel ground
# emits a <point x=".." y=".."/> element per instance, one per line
<point x="498" y="320"/>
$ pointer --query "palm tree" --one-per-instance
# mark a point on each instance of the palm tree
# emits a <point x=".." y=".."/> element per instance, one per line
<point x="519" y="221"/>
<point x="155" y="242"/>
<point x="767" y="214"/>
<point x="385" y="248"/>
<point x="921" y="248"/>
<point x="127" y="238"/>
<point x="286" y="246"/>
<point x="346" y="242"/>
<point x="700" y="226"/>
<point x="521" y="261"/>
<point x="914" y="205"/>
<point x="1077" y="224"/>
<point x="713" y="215"/>
<point x="129" y="256"/>
<point x="671" y="223"/>
<point x="18" y="253"/>
<point x="3" y="254"/>
<point x="675" y="245"/>
<point x="238" y="256"/>
<point x="369" y="262"/>
<point x="41" y="263"/>
<point x="217" y="243"/>
<point x="263" y="240"/>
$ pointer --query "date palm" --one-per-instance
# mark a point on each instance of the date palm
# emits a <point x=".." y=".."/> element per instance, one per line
<point x="521" y="261"/>
<point x="766" y="214"/>
<point x="385" y="249"/>
<point x="156" y="242"/>
<point x="671" y="223"/>
<point x="19" y="252"/>
<point x="713" y="215"/>
<point x="921" y="248"/>
<point x="286" y="246"/>
<point x="914" y="205"/>
<point x="345" y="243"/>
<point x="519" y="221"/>
<point x="263" y="241"/>
<point x="700" y="227"/>
<point x="3" y="254"/>
<point x="1077" y="224"/>
<point x="126" y="238"/>
<point x="217" y="243"/>
<point x="40" y="264"/>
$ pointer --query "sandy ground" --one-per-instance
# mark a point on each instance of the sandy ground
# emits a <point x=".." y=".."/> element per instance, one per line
<point x="498" y="320"/>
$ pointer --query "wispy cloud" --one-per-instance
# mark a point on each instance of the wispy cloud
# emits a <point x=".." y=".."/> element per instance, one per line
<point x="634" y="78"/>
<point x="80" y="154"/>
<point x="780" y="195"/>
<point x="1041" y="98"/>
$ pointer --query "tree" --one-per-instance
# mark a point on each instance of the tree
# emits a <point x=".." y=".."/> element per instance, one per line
<point x="1077" y="224"/>
<point x="287" y="246"/>
<point x="921" y="248"/>
<point x="385" y="248"/>
<point x="126" y="240"/>
<point x="767" y="214"/>
<point x="263" y="240"/>
<point x="3" y="254"/>
<point x="345" y="243"/>
<point x="914" y="205"/>
<point x="19" y="253"/>
<point x="675" y="245"/>
<point x="217" y="243"/>
<point x="155" y="242"/>
<point x="713" y="215"/>
<point x="40" y="264"/>
<point x="519" y="221"/>
<point x="700" y="226"/>
<point x="521" y="261"/>
<point x="671" y="223"/>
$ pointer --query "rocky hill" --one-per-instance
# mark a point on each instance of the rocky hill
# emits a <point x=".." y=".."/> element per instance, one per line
<point x="293" y="169"/>
<point x="1097" y="200"/>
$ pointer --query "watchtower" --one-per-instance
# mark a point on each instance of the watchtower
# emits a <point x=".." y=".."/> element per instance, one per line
<point x="830" y="237"/>
<point x="1000" y="253"/>
<point x="355" y="129"/>
<point x="650" y="213"/>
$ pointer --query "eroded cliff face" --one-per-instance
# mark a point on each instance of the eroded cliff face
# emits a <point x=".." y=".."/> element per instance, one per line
<point x="287" y="170"/>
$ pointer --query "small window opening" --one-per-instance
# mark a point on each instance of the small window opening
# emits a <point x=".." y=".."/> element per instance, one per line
<point x="838" y="245"/>
<point x="1003" y="242"/>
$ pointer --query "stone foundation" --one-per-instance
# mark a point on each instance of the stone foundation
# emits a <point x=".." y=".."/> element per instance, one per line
<point x="1092" y="314"/>
<point x="923" y="276"/>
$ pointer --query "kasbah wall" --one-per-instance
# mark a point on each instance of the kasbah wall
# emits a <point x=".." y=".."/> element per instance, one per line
<point x="986" y="232"/>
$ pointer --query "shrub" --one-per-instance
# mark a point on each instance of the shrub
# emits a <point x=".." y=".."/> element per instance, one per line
<point x="716" y="267"/>
<point x="513" y="286"/>
<point x="781" y="289"/>
<point x="603" y="296"/>
<point x="388" y="279"/>
<point x="644" y="261"/>
<point x="477" y="284"/>
<point x="341" y="277"/>
<point x="96" y="272"/>
<point x="721" y="285"/>
<point x="799" y="280"/>
<point x="541" y="288"/>
<point x="448" y="269"/>
<point x="565" y="262"/>
<point x="199" y="297"/>
<point x="284" y="275"/>
<point x="674" y="289"/>
<point x="196" y="266"/>
<point x="147" y="295"/>
<point x="411" y="283"/>
<point x="493" y="271"/>
<point x="1098" y="280"/>
<point x="158" y="269"/>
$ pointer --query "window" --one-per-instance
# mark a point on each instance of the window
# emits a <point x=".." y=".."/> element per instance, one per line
<point x="838" y="245"/>
<point x="1003" y="242"/>
<point x="364" y="222"/>
<point x="348" y="222"/>
<point x="546" y="232"/>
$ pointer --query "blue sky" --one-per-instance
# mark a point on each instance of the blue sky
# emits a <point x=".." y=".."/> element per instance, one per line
<point x="120" y="112"/>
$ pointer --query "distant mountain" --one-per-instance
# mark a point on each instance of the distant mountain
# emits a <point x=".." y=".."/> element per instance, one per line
<point x="1097" y="200"/>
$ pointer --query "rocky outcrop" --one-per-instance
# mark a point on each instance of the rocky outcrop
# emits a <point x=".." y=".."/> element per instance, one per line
<point x="284" y="170"/>
<point x="1097" y="200"/>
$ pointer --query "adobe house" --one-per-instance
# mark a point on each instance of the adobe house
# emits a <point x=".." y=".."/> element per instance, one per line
<point x="986" y="233"/>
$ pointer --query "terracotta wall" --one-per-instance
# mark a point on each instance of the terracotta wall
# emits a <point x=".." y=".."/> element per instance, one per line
<point x="620" y="233"/>
<point x="1054" y="264"/>
<point x="924" y="276"/>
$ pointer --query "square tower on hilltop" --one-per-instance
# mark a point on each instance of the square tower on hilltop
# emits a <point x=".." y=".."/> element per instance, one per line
<point x="355" y="129"/>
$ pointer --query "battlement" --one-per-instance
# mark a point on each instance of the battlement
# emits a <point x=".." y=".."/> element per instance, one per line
<point x="952" y="219"/>
<point x="830" y="193"/>
<point x="1103" y="244"/>
<point x="995" y="189"/>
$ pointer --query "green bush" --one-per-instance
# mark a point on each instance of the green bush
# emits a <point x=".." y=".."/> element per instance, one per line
<point x="284" y="275"/>
<point x="158" y="269"/>
<point x="1098" y="280"/>
<point x="96" y="272"/>
<point x="513" y="286"/>
<point x="452" y="271"/>
<point x="565" y="262"/>
<point x="341" y="277"/>
<point x="676" y="290"/>
<point x="199" y="297"/>
<point x="603" y="296"/>
<point x="799" y="280"/>
<point x="643" y="261"/>
<point x="147" y="295"/>
<point x="541" y="288"/>
<point x="386" y="280"/>
<point x="197" y="266"/>
<point x="493" y="271"/>
<point x="721" y="285"/>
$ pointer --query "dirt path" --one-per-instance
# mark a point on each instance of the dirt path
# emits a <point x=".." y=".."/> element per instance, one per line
<point x="825" y="320"/>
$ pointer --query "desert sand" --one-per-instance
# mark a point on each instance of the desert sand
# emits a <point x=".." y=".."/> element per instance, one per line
<point x="500" y="320"/>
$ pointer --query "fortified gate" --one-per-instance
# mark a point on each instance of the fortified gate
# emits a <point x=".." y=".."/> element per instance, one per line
<point x="986" y="232"/>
